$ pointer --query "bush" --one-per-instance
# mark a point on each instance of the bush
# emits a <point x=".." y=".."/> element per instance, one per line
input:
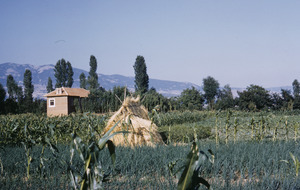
<point x="184" y="133"/>
<point x="175" y="118"/>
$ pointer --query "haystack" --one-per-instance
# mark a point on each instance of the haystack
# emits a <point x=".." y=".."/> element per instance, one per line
<point x="133" y="117"/>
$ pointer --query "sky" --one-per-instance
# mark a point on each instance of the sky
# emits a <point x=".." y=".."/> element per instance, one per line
<point x="236" y="42"/>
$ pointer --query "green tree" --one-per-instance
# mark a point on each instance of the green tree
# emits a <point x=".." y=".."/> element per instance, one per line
<point x="154" y="99"/>
<point x="11" y="87"/>
<point x="211" y="89"/>
<point x="63" y="73"/>
<point x="116" y="97"/>
<point x="296" y="92"/>
<point x="254" y="98"/>
<point x="82" y="80"/>
<point x="49" y="85"/>
<point x="191" y="99"/>
<point x="59" y="73"/>
<point x="287" y="99"/>
<point x="296" y="87"/>
<point x="277" y="101"/>
<point x="70" y="74"/>
<point x="93" y="77"/>
<point x="2" y="99"/>
<point x="14" y="91"/>
<point x="28" y="86"/>
<point x="28" y="89"/>
<point x="141" y="76"/>
<point x="15" y="96"/>
<point x="225" y="98"/>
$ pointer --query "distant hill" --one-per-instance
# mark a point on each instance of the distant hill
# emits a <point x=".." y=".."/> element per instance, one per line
<point x="41" y="73"/>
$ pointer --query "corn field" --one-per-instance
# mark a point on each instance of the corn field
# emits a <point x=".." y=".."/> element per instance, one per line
<point x="250" y="151"/>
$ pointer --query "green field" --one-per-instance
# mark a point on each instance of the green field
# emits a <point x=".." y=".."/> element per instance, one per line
<point x="252" y="151"/>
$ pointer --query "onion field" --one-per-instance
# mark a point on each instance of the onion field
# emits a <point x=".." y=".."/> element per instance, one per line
<point x="250" y="151"/>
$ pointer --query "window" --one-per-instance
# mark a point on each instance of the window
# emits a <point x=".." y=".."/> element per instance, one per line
<point x="51" y="102"/>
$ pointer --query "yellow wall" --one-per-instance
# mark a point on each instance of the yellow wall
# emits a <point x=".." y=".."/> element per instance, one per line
<point x="61" y="106"/>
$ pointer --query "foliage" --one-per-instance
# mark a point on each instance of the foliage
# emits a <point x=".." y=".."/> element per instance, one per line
<point x="82" y="81"/>
<point x="177" y="118"/>
<point x="14" y="91"/>
<point x="28" y="90"/>
<point x="93" y="174"/>
<point x="295" y="162"/>
<point x="102" y="101"/>
<point x="12" y="127"/>
<point x="184" y="133"/>
<point x="245" y="165"/>
<point x="296" y="88"/>
<point x="254" y="98"/>
<point x="287" y="99"/>
<point x="153" y="99"/>
<point x="225" y="99"/>
<point x="195" y="160"/>
<point x="2" y="99"/>
<point x="70" y="72"/>
<point x="63" y="73"/>
<point x="93" y="76"/>
<point x="211" y="88"/>
<point x="141" y="77"/>
<point x="49" y="85"/>
<point x="191" y="99"/>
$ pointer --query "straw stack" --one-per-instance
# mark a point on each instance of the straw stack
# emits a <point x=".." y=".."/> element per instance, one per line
<point x="133" y="118"/>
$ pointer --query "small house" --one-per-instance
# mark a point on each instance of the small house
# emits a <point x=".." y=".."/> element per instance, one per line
<point x="61" y="100"/>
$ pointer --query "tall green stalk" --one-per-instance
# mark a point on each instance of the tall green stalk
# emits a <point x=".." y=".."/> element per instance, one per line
<point x="235" y="129"/>
<point x="296" y="126"/>
<point x="217" y="130"/>
<point x="252" y="128"/>
<point x="286" y="130"/>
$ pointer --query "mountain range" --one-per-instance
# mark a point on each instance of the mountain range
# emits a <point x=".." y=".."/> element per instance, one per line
<point x="41" y="73"/>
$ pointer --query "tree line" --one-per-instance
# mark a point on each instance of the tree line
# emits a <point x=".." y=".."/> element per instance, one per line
<point x="20" y="100"/>
<point x="100" y="100"/>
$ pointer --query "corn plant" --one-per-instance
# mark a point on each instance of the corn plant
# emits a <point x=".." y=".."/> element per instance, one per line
<point x="93" y="174"/>
<point x="216" y="129"/>
<point x="252" y="123"/>
<point x="262" y="128"/>
<point x="286" y="129"/>
<point x="190" y="178"/>
<point x="235" y="129"/>
<point x="227" y="125"/>
<point x="275" y="130"/>
<point x="193" y="165"/>
<point x="296" y="126"/>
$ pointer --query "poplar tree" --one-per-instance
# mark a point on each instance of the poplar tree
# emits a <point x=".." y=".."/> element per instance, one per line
<point x="141" y="76"/>
<point x="93" y="77"/>
<point x="70" y="74"/>
<point x="82" y="81"/>
<point x="296" y="91"/>
<point x="63" y="73"/>
<point x="296" y="88"/>
<point x="28" y="87"/>
<point x="2" y="99"/>
<point x="12" y="87"/>
<point x="49" y="85"/>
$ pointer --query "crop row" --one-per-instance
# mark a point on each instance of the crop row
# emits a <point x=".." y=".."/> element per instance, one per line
<point x="248" y="165"/>
<point x="15" y="128"/>
<point x="173" y="126"/>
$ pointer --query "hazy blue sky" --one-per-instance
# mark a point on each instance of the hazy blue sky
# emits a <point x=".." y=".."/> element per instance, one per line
<point x="236" y="42"/>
